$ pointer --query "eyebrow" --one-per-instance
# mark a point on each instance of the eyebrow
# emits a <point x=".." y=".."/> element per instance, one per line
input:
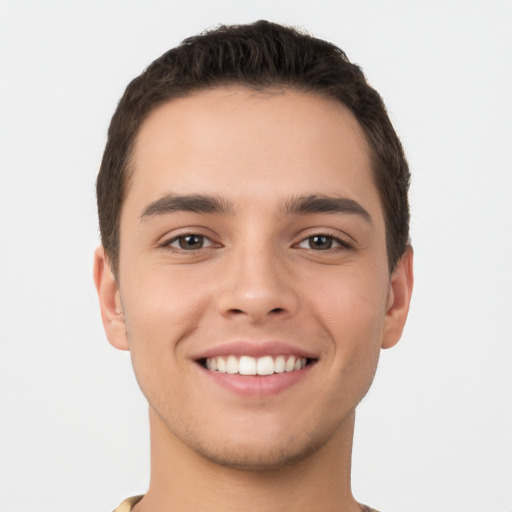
<point x="318" y="203"/>
<point x="298" y="205"/>
<point x="196" y="203"/>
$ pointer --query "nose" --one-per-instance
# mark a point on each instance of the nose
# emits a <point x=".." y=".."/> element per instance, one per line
<point x="258" y="286"/>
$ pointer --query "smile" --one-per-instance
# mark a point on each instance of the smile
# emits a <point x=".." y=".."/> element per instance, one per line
<point x="247" y="365"/>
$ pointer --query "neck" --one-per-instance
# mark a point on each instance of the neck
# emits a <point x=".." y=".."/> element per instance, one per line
<point x="184" y="481"/>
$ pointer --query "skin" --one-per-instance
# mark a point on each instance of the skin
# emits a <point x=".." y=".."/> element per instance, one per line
<point x="259" y="277"/>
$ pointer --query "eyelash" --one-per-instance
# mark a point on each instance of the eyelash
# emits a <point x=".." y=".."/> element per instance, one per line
<point x="343" y="243"/>
<point x="167" y="244"/>
<point x="340" y="243"/>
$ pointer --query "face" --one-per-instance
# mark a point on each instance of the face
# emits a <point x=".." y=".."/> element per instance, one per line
<point x="253" y="292"/>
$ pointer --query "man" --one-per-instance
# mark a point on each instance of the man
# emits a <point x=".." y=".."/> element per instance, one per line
<point x="254" y="219"/>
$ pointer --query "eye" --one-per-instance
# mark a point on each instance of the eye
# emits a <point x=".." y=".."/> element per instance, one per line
<point x="322" y="243"/>
<point x="189" y="242"/>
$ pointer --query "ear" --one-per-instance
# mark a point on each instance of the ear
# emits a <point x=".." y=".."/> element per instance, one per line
<point x="400" y="292"/>
<point x="110" y="301"/>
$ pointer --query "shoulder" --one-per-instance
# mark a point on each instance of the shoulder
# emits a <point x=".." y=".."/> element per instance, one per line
<point x="128" y="504"/>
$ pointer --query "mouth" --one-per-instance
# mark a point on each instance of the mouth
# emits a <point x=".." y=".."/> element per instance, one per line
<point x="260" y="366"/>
<point x="256" y="370"/>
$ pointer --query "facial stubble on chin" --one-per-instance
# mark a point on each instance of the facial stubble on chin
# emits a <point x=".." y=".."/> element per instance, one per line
<point x="290" y="451"/>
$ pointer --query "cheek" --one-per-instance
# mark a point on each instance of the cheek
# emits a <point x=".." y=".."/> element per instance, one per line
<point x="352" y="310"/>
<point x="160" y="311"/>
<point x="353" y="302"/>
<point x="160" y="302"/>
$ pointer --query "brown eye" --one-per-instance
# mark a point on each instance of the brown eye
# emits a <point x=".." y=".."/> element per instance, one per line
<point x="189" y="242"/>
<point x="323" y="242"/>
<point x="320" y="242"/>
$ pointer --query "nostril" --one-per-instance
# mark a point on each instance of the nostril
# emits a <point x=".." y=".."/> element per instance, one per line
<point x="277" y="310"/>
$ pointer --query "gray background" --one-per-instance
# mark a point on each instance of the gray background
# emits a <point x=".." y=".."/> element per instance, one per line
<point x="435" y="432"/>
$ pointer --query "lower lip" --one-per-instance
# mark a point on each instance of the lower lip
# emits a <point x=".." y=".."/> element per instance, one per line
<point x="258" y="386"/>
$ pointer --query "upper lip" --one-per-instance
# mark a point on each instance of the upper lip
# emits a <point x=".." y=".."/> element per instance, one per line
<point x="254" y="349"/>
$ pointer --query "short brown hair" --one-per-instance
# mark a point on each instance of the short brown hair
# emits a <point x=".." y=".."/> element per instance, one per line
<point x="261" y="55"/>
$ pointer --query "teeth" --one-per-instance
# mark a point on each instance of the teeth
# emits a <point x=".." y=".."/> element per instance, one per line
<point x="221" y="364"/>
<point x="232" y="364"/>
<point x="289" y="365"/>
<point x="246" y="365"/>
<point x="265" y="365"/>
<point x="279" y="364"/>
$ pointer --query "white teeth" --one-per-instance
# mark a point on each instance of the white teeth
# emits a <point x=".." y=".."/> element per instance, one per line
<point x="232" y="364"/>
<point x="211" y="363"/>
<point x="247" y="365"/>
<point x="290" y="364"/>
<point x="265" y="365"/>
<point x="221" y="364"/>
<point x="279" y="364"/>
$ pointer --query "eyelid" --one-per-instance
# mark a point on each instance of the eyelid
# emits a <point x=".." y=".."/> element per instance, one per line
<point x="342" y="241"/>
<point x="168" y="241"/>
<point x="206" y="242"/>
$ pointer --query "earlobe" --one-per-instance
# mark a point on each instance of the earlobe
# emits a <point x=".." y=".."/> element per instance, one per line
<point x="110" y="301"/>
<point x="400" y="292"/>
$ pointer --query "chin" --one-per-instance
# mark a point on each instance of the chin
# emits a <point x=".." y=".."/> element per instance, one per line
<point x="257" y="458"/>
<point x="257" y="450"/>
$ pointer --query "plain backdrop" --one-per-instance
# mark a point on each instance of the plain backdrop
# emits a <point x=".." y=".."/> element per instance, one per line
<point x="435" y="432"/>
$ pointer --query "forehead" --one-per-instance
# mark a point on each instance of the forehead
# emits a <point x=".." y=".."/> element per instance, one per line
<point x="234" y="141"/>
